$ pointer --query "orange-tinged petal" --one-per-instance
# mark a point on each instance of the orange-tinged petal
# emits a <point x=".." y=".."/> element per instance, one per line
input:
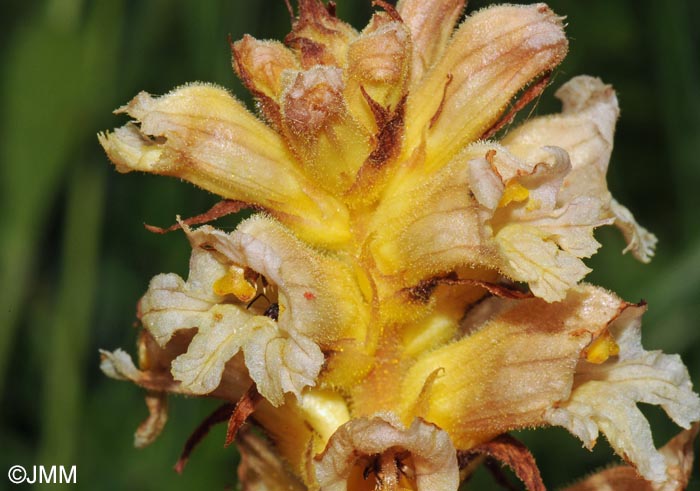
<point x="492" y="56"/>
<point x="604" y="398"/>
<point x="200" y="133"/>
<point x="431" y="23"/>
<point x="515" y="362"/>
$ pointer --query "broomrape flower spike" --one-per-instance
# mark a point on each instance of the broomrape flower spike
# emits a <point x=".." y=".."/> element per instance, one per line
<point x="410" y="288"/>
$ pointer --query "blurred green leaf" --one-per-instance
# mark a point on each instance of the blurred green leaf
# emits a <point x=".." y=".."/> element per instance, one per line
<point x="56" y="76"/>
<point x="68" y="331"/>
<point x="677" y="81"/>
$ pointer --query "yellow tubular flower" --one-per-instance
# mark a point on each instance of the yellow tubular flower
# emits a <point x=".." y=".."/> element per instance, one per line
<point x="410" y="289"/>
<point x="202" y="134"/>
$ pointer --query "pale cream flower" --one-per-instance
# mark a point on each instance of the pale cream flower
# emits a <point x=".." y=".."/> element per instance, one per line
<point x="387" y="455"/>
<point x="604" y="397"/>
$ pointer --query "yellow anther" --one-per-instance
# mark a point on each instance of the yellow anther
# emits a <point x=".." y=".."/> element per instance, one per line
<point x="234" y="282"/>
<point x="602" y="348"/>
<point x="514" y="192"/>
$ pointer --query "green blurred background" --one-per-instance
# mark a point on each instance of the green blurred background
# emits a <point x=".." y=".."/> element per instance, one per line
<point x="74" y="256"/>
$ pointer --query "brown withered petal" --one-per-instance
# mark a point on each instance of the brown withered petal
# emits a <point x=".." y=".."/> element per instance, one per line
<point x="319" y="36"/>
<point x="533" y="91"/>
<point x="244" y="408"/>
<point x="379" y="447"/>
<point x="678" y="454"/>
<point x="511" y="452"/>
<point x="259" y="65"/>
<point x="219" y="415"/>
<point x="491" y="57"/>
<point x="118" y="365"/>
<point x="151" y="427"/>
<point x="313" y="100"/>
<point x="154" y="375"/>
<point x="431" y="23"/>
<point x="220" y="209"/>
<point x="261" y="468"/>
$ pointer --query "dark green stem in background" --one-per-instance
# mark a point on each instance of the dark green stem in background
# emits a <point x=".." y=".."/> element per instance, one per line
<point x="68" y="334"/>
<point x="678" y="82"/>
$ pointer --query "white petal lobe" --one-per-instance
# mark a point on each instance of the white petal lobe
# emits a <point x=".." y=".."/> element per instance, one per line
<point x="605" y="397"/>
<point x="383" y="437"/>
<point x="280" y="363"/>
